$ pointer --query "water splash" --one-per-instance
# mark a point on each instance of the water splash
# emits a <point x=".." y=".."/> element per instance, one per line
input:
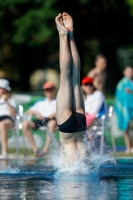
<point x="10" y="170"/>
<point x="96" y="160"/>
<point x="83" y="166"/>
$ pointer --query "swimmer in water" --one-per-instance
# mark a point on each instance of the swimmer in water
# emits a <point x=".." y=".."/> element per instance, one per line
<point x="70" y="104"/>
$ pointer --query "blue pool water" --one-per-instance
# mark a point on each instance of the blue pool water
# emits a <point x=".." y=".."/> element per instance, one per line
<point x="36" y="179"/>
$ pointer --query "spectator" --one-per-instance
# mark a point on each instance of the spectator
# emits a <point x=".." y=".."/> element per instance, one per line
<point x="7" y="113"/>
<point x="123" y="106"/>
<point x="98" y="72"/>
<point x="95" y="107"/>
<point x="45" y="111"/>
<point x="94" y="100"/>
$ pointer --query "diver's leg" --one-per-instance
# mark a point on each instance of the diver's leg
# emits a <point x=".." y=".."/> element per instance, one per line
<point x="78" y="102"/>
<point x="64" y="96"/>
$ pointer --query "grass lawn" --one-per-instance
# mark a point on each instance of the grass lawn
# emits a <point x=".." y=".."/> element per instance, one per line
<point x="29" y="152"/>
<point x="122" y="154"/>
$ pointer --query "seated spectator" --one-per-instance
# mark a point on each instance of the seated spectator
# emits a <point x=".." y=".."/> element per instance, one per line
<point x="94" y="100"/>
<point x="45" y="111"/>
<point x="7" y="113"/>
<point x="123" y="106"/>
<point x="95" y="107"/>
<point x="98" y="73"/>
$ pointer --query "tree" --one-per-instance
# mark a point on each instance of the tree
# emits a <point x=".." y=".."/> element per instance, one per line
<point x="29" y="35"/>
<point x="27" y="27"/>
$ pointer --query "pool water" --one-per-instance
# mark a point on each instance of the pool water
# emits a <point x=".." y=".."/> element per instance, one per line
<point x="36" y="179"/>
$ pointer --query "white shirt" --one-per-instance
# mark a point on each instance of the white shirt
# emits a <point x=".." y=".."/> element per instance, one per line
<point x="94" y="102"/>
<point x="45" y="107"/>
<point x="4" y="110"/>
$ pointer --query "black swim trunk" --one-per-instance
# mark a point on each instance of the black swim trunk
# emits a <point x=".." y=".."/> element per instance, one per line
<point x="6" y="117"/>
<point x="75" y="123"/>
<point x="43" y="122"/>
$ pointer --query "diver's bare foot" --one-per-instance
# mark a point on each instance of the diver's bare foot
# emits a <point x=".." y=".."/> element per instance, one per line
<point x="60" y="25"/>
<point x="68" y="21"/>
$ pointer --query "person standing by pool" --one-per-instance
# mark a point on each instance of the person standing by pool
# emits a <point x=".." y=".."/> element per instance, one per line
<point x="123" y="105"/>
<point x="69" y="103"/>
<point x="98" y="73"/>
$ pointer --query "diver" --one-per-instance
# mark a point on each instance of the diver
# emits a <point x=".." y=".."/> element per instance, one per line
<point x="69" y="103"/>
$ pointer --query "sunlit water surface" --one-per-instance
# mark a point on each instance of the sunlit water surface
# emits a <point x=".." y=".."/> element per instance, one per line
<point x="94" y="177"/>
<point x="103" y="179"/>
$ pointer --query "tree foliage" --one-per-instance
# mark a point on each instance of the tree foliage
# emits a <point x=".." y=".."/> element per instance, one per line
<point x="28" y="36"/>
<point x="31" y="21"/>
